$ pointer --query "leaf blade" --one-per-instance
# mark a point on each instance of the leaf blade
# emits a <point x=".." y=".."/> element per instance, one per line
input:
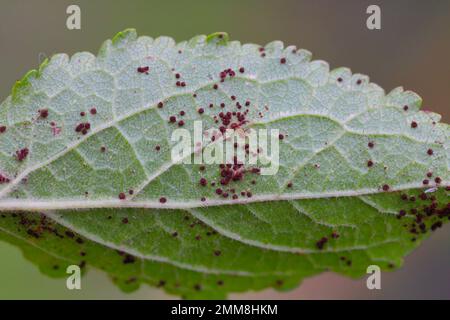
<point x="333" y="123"/>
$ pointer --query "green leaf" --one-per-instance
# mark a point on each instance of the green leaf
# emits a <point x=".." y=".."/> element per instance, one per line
<point x="351" y="158"/>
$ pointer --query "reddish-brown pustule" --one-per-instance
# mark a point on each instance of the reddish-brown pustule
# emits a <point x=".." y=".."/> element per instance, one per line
<point x="3" y="179"/>
<point x="321" y="243"/>
<point x="143" y="69"/>
<point x="43" y="113"/>
<point x="22" y="154"/>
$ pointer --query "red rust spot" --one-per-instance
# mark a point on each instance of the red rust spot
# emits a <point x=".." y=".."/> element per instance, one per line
<point x="43" y="113"/>
<point x="22" y="154"/>
<point x="203" y="182"/>
<point x="143" y="69"/>
<point x="3" y="179"/>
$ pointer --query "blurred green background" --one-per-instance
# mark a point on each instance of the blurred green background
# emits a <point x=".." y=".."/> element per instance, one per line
<point x="411" y="50"/>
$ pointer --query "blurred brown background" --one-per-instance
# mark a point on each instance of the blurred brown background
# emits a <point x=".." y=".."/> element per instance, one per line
<point x="411" y="50"/>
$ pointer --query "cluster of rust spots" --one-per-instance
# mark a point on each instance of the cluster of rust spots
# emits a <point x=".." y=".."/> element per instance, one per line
<point x="427" y="214"/>
<point x="83" y="127"/>
<point x="320" y="244"/>
<point x="4" y="179"/>
<point x="347" y="261"/>
<point x="228" y="173"/>
<point x="38" y="226"/>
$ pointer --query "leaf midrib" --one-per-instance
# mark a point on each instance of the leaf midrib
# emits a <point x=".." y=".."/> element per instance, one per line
<point x="37" y="205"/>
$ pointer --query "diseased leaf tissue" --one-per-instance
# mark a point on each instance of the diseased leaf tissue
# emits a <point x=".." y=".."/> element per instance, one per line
<point x="86" y="175"/>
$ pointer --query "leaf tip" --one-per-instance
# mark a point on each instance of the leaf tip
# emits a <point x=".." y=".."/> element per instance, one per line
<point x="24" y="83"/>
<point x="218" y="38"/>
<point x="124" y="35"/>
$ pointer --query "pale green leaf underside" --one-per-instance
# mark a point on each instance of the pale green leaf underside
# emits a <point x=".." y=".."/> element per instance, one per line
<point x="328" y="118"/>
